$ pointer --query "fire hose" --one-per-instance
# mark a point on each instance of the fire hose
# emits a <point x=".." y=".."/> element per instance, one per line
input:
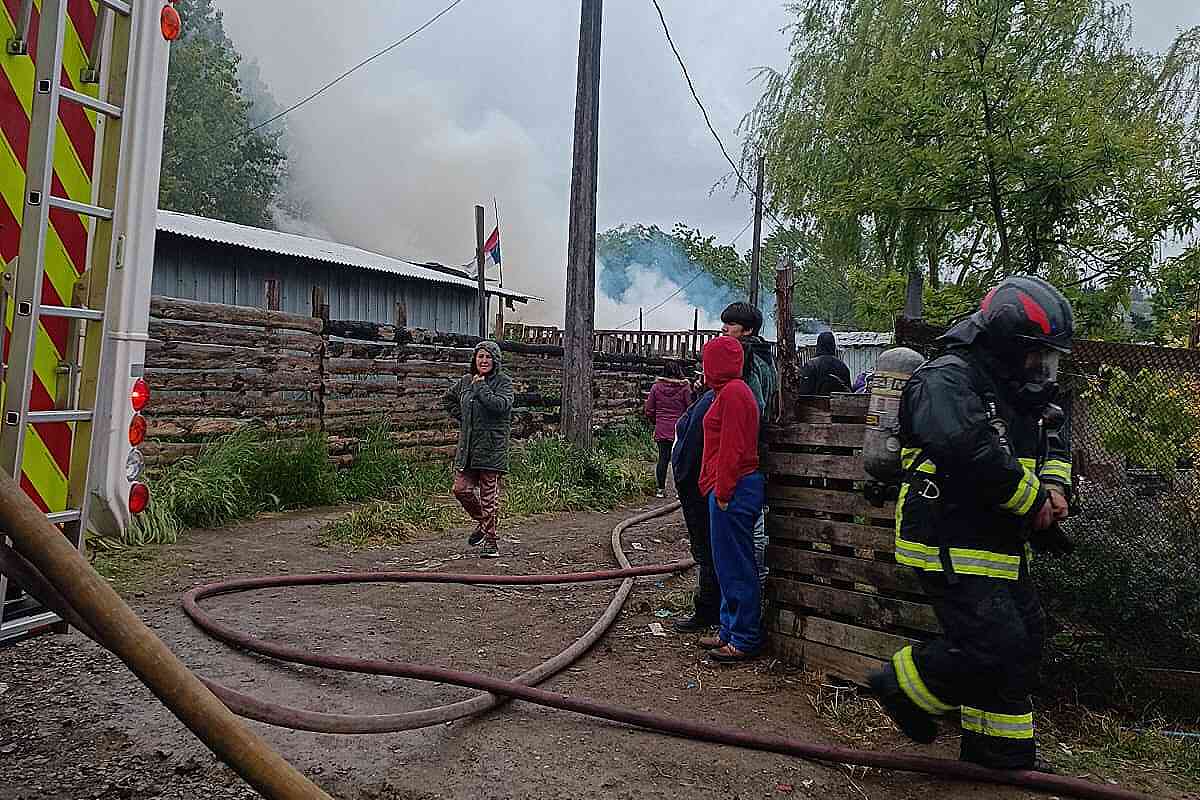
<point x="45" y="564"/>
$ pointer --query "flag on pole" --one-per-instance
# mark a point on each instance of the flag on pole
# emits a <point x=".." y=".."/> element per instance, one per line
<point x="492" y="246"/>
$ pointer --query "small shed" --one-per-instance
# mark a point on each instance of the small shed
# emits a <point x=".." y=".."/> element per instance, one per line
<point x="213" y="261"/>
<point x="859" y="349"/>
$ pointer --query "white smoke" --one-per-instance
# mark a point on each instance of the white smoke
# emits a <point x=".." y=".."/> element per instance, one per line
<point x="647" y="290"/>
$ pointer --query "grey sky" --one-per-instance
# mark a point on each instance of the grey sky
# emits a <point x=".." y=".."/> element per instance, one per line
<point x="482" y="104"/>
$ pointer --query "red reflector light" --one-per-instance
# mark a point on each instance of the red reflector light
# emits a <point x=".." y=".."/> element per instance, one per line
<point x="170" y="23"/>
<point x="137" y="430"/>
<point x="139" y="498"/>
<point x="139" y="396"/>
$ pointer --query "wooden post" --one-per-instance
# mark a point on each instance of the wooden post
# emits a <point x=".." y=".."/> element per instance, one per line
<point x="483" y="303"/>
<point x="756" y="253"/>
<point x="785" y="335"/>
<point x="578" y="369"/>
<point x="401" y="316"/>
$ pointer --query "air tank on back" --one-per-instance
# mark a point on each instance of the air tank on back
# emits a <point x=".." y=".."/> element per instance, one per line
<point x="881" y="442"/>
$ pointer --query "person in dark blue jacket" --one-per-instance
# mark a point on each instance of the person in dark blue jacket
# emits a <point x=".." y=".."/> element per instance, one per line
<point x="685" y="466"/>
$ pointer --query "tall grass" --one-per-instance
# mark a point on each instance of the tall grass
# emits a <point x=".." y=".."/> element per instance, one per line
<point x="244" y="474"/>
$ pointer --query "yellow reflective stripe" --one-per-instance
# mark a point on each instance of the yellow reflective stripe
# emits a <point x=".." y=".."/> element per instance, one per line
<point x="1004" y="726"/>
<point x="43" y="471"/>
<point x="1055" y="469"/>
<point x="910" y="681"/>
<point x="915" y="554"/>
<point x="1028" y="463"/>
<point x="985" y="563"/>
<point x="1023" y="496"/>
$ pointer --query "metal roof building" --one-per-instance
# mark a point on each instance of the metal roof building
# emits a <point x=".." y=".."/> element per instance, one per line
<point x="213" y="261"/>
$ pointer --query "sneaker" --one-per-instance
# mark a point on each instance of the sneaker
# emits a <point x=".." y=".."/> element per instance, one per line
<point x="660" y="493"/>
<point x="693" y="624"/>
<point x="476" y="538"/>
<point x="489" y="550"/>
<point x="710" y="642"/>
<point x="915" y="723"/>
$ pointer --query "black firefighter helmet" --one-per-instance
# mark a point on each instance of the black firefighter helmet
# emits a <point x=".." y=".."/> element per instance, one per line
<point x="1026" y="313"/>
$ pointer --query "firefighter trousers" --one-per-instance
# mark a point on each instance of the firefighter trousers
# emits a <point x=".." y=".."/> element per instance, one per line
<point x="985" y="665"/>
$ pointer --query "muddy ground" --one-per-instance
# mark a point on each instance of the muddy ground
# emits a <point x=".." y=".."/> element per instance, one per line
<point x="75" y="724"/>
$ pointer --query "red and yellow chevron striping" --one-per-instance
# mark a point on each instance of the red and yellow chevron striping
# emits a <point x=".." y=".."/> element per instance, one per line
<point x="48" y="446"/>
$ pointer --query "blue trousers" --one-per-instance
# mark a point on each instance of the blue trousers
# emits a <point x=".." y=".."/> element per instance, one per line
<point x="736" y="565"/>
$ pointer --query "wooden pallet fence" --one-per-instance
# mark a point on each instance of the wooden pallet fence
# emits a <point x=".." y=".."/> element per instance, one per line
<point x="837" y="603"/>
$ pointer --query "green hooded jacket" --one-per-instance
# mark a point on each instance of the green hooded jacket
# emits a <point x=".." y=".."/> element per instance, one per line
<point x="484" y="414"/>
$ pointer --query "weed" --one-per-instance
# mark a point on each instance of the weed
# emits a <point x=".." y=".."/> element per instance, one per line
<point x="385" y="524"/>
<point x="1080" y="741"/>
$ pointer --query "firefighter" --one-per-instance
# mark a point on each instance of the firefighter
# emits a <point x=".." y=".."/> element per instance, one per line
<point x="984" y="478"/>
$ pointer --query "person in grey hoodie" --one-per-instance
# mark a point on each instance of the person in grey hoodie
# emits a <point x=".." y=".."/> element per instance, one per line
<point x="482" y="404"/>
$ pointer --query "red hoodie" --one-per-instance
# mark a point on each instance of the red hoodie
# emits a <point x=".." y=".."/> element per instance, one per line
<point x="731" y="425"/>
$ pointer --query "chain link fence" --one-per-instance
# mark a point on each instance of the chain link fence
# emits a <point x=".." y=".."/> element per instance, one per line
<point x="1124" y="608"/>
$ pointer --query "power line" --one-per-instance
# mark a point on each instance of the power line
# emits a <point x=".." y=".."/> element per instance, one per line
<point x="703" y="110"/>
<point x="694" y="278"/>
<point x="336" y="80"/>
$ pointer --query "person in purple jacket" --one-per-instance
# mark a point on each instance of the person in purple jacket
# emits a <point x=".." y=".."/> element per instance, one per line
<point x="669" y="398"/>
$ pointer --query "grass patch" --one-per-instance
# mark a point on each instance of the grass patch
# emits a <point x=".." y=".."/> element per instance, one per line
<point x="386" y="524"/>
<point x="1078" y="741"/>
<point x="131" y="569"/>
<point x="244" y="474"/>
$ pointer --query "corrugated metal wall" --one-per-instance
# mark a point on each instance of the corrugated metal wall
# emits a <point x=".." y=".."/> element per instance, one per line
<point x="211" y="272"/>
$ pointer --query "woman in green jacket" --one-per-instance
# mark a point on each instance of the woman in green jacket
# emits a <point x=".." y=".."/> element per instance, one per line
<point x="482" y="403"/>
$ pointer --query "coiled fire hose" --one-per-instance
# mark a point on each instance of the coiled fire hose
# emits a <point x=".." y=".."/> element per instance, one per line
<point x="60" y="578"/>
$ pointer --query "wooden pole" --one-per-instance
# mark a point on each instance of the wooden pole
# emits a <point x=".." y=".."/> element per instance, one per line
<point x="785" y="330"/>
<point x="483" y="303"/>
<point x="756" y="253"/>
<point x="579" y="325"/>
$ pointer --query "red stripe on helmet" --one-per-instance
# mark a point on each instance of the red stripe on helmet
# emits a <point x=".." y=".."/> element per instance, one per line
<point x="987" y="300"/>
<point x="1035" y="312"/>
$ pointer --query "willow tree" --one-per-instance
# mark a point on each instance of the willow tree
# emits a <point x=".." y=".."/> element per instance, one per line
<point x="964" y="140"/>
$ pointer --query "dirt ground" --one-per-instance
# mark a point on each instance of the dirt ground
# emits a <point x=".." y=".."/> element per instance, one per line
<point x="74" y="723"/>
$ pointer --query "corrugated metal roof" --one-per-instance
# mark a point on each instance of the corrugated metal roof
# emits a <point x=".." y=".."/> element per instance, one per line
<point x="291" y="244"/>
<point x="848" y="339"/>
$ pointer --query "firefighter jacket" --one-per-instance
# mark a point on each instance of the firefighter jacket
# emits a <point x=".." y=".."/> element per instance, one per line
<point x="976" y="469"/>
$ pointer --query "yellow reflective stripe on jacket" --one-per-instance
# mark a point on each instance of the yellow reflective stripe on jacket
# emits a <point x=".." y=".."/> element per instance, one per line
<point x="1057" y="470"/>
<point x="1004" y="726"/>
<point x="1026" y="492"/>
<point x="908" y="457"/>
<point x="965" y="561"/>
<point x="910" y="681"/>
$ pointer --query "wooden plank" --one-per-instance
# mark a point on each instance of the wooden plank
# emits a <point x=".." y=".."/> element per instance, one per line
<point x="171" y="355"/>
<point x="815" y="465"/>
<point x="163" y="405"/>
<point x="823" y="658"/>
<point x="872" y="610"/>
<point x="173" y="308"/>
<point x="849" y="405"/>
<point x="827" y="500"/>
<point x="840" y="434"/>
<point x="195" y="427"/>
<point x="813" y="415"/>
<point x="853" y="638"/>
<point x="232" y="381"/>
<point x="200" y="333"/>
<point x="878" y="574"/>
<point x="1173" y="679"/>
<point x="846" y="534"/>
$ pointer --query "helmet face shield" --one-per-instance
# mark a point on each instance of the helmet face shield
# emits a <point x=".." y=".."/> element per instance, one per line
<point x="1041" y="366"/>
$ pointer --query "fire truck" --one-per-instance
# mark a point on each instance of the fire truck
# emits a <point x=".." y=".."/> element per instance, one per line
<point x="82" y="104"/>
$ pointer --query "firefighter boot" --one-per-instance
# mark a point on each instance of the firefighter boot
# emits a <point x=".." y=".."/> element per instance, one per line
<point x="915" y="723"/>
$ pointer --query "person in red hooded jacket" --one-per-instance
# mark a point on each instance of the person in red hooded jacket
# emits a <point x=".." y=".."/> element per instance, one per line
<point x="669" y="397"/>
<point x="729" y="476"/>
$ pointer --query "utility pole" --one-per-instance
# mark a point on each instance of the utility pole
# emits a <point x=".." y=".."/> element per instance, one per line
<point x="483" y="303"/>
<point x="756" y="253"/>
<point x="579" y="325"/>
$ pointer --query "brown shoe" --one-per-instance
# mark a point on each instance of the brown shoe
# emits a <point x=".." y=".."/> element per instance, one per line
<point x="710" y="642"/>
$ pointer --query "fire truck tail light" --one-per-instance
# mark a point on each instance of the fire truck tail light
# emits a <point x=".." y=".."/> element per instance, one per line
<point x="139" y="396"/>
<point x="139" y="498"/>
<point x="170" y="23"/>
<point x="137" y="430"/>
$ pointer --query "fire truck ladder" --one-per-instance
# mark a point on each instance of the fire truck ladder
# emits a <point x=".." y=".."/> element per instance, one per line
<point x="87" y="351"/>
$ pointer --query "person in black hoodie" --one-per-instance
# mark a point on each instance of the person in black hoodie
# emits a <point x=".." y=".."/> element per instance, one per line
<point x="685" y="464"/>
<point x="826" y="373"/>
